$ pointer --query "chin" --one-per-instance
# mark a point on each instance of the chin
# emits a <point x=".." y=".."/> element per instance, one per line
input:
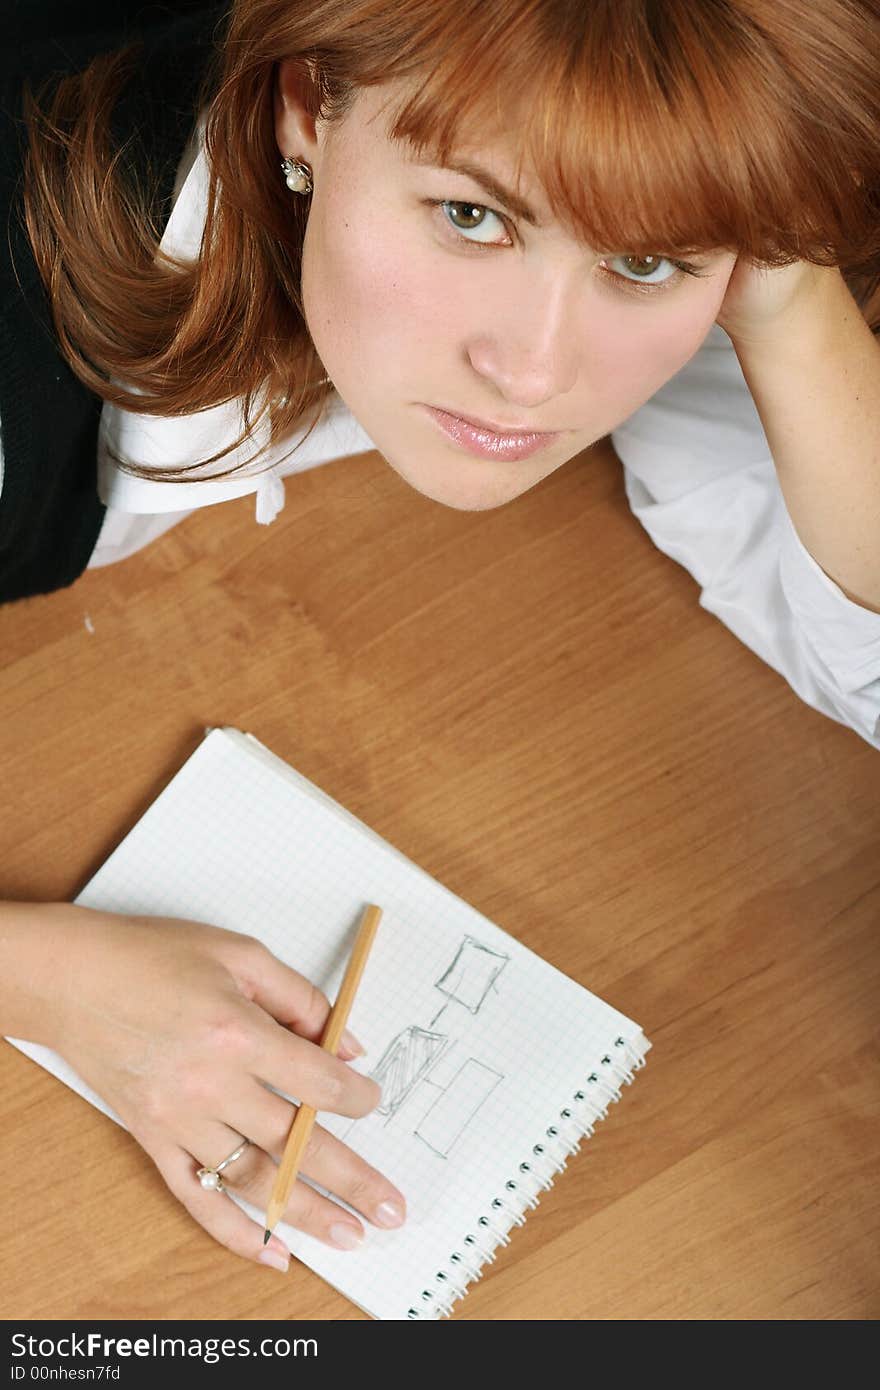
<point x="476" y="494"/>
<point x="459" y="499"/>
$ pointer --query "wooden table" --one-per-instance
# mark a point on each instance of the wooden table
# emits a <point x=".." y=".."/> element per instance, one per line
<point x="530" y="704"/>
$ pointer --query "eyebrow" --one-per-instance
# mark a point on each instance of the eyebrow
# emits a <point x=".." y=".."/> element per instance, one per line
<point x="510" y="200"/>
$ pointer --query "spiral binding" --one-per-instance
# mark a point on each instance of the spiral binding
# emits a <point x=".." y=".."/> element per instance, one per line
<point x="535" y="1174"/>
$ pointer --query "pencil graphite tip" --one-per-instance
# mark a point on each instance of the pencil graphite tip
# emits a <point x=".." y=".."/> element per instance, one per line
<point x="267" y="1236"/>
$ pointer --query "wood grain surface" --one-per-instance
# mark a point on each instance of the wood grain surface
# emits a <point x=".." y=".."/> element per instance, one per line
<point x="530" y="704"/>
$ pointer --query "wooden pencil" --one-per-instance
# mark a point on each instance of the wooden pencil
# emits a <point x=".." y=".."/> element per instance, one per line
<point x="304" y="1118"/>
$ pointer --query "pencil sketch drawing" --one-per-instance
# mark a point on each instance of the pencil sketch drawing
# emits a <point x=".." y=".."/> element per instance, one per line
<point x="472" y="974"/>
<point x="454" y="1109"/>
<point x="405" y="1061"/>
<point x="410" y="1067"/>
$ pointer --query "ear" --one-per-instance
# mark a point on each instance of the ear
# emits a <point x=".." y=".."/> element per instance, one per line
<point x="295" y="126"/>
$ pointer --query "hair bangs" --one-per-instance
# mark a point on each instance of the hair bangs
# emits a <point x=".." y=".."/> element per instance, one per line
<point x="646" y="128"/>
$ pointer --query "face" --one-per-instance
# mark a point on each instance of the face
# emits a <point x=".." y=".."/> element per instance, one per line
<point x="432" y="304"/>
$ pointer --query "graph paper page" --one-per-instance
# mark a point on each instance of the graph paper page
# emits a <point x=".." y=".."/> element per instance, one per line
<point x="484" y="1052"/>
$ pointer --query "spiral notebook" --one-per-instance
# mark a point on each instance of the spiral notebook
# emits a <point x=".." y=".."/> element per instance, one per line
<point x="493" y="1065"/>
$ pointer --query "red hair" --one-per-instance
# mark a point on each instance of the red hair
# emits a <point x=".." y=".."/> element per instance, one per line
<point x="672" y="127"/>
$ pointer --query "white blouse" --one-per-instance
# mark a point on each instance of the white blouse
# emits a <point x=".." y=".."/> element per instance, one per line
<point x="700" y="478"/>
<point x="698" y="475"/>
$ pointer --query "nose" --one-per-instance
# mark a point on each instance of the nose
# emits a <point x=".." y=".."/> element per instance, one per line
<point x="529" y="352"/>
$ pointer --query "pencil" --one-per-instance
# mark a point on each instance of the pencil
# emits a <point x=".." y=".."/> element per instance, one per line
<point x="304" y="1118"/>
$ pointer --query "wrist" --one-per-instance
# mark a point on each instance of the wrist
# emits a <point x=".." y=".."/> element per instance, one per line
<point x="35" y="963"/>
<point x="815" y="381"/>
<point x="805" y="331"/>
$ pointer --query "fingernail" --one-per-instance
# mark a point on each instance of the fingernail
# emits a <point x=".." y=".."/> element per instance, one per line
<point x="346" y="1237"/>
<point x="351" y="1044"/>
<point x="275" y="1255"/>
<point x="390" y="1214"/>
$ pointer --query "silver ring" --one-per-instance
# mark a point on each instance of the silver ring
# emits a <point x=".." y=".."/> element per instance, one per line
<point x="210" y="1177"/>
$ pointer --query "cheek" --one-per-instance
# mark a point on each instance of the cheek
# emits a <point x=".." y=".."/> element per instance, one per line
<point x="370" y="301"/>
<point x="634" y="351"/>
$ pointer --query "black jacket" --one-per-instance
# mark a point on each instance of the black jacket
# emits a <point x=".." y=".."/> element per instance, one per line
<point x="50" y="514"/>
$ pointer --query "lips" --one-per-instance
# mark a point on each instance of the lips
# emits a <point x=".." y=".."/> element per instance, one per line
<point x="486" y="442"/>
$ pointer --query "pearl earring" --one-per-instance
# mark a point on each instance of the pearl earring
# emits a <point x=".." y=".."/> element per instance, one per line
<point x="297" y="175"/>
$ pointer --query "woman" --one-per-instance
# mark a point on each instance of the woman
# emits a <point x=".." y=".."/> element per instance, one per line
<point x="501" y="230"/>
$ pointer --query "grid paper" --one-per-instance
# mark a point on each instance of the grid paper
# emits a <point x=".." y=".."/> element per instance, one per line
<point x="241" y="840"/>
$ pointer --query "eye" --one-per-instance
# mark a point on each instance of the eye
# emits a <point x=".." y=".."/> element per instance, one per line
<point x="645" y="268"/>
<point x="473" y="222"/>
<point x="644" y="271"/>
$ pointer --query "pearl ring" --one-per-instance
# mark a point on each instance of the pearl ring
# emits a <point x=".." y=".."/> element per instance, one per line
<point x="210" y="1177"/>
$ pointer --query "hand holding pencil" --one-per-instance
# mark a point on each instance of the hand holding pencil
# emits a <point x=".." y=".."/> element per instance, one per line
<point x="197" y="1057"/>
<point x="305" y="1116"/>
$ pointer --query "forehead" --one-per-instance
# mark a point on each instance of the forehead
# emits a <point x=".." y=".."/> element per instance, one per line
<point x="477" y="130"/>
<point x="482" y="150"/>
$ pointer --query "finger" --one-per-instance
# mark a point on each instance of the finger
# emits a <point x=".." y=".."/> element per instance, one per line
<point x="216" y="1212"/>
<point x="287" y="995"/>
<point x="252" y="1176"/>
<point x="334" y="1165"/>
<point x="296" y="1067"/>
<point x="266" y="1118"/>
